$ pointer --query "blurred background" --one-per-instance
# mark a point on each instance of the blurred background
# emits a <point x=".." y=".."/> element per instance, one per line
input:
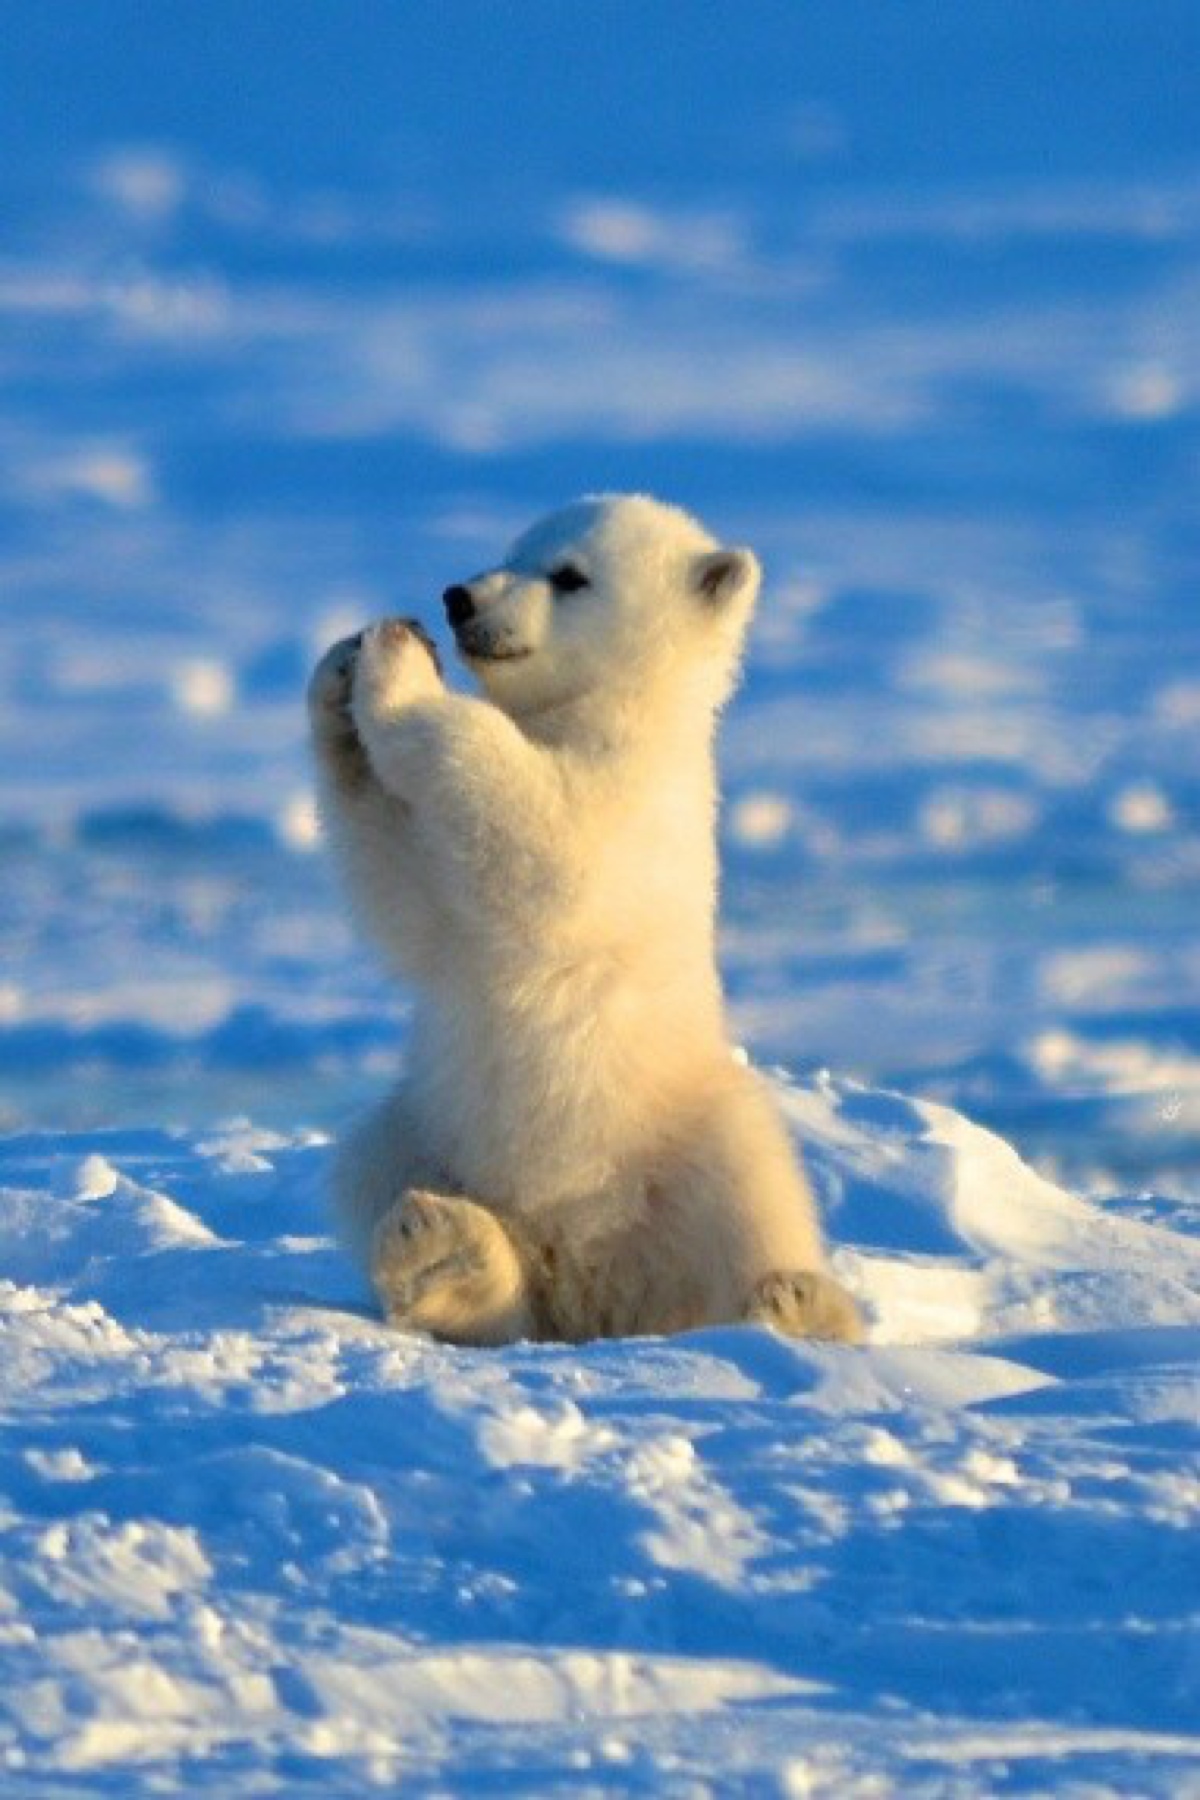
<point x="305" y="309"/>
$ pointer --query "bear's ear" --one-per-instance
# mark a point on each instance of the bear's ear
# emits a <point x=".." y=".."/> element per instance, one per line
<point x="720" y="575"/>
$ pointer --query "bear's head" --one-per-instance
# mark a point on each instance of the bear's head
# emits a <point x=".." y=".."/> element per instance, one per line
<point x="618" y="594"/>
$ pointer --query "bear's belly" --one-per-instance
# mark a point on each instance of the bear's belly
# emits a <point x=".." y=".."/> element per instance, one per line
<point x="611" y="1266"/>
<point x="554" y="1085"/>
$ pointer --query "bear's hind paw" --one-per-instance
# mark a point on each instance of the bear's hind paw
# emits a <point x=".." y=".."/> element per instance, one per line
<point x="806" y="1304"/>
<point x="446" y="1266"/>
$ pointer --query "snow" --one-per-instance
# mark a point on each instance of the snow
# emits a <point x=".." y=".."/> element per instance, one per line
<point x="251" y="1534"/>
<point x="908" y="304"/>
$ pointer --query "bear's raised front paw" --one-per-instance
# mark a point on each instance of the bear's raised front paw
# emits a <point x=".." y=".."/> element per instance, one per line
<point x="807" y="1304"/>
<point x="447" y="1267"/>
<point x="330" y="688"/>
<point x="397" y="664"/>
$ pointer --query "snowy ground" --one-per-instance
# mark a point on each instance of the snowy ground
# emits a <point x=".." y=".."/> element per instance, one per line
<point x="257" y="1541"/>
<point x="297" y="325"/>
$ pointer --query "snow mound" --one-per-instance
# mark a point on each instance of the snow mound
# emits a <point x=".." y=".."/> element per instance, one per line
<point x="255" y="1541"/>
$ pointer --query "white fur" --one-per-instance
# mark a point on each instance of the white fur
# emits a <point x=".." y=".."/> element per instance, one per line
<point x="574" y="1152"/>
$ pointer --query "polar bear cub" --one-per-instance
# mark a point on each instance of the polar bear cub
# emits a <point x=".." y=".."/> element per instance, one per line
<point x="575" y="1152"/>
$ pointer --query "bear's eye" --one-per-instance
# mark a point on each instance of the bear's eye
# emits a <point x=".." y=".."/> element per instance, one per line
<point x="567" y="579"/>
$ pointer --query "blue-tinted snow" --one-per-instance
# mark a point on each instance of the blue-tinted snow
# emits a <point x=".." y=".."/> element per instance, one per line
<point x="255" y="1542"/>
<point x="303" y="312"/>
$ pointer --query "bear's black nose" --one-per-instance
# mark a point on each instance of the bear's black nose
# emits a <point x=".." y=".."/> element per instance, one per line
<point x="459" y="605"/>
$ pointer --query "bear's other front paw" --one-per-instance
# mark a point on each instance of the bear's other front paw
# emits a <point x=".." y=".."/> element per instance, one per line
<point x="330" y="689"/>
<point x="445" y="1266"/>
<point x="397" y="664"/>
<point x="807" y="1304"/>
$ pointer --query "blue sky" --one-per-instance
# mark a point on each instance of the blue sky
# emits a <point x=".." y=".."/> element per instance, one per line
<point x="483" y="94"/>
